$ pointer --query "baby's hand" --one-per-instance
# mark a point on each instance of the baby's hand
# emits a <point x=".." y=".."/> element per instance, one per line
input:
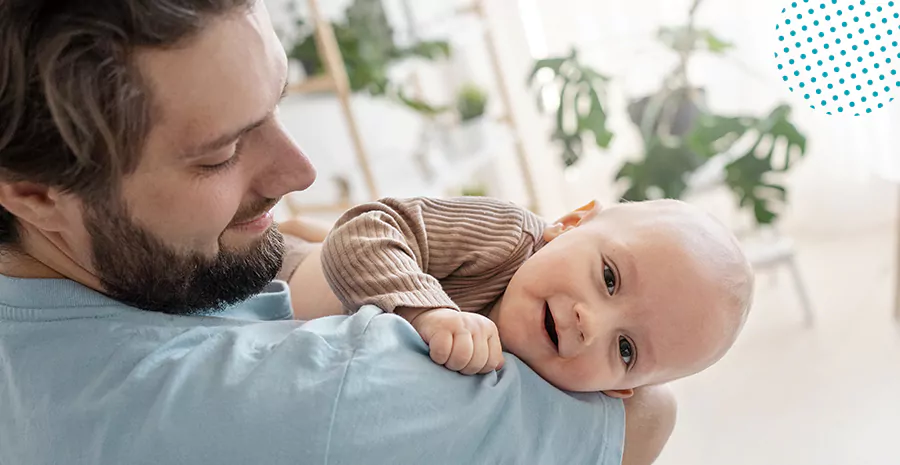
<point x="465" y="342"/>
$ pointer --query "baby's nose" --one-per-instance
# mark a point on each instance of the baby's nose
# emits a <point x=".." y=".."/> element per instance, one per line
<point x="584" y="325"/>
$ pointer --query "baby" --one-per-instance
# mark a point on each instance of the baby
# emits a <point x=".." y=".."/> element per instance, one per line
<point x="601" y="300"/>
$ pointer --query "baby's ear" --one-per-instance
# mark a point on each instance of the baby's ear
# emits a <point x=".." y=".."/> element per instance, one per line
<point x="571" y="220"/>
<point x="620" y="393"/>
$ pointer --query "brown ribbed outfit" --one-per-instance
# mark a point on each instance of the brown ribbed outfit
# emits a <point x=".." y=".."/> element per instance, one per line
<point x="425" y="253"/>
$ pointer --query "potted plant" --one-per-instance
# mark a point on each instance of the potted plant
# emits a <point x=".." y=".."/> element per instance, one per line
<point x="367" y="46"/>
<point x="471" y="104"/>
<point x="680" y="133"/>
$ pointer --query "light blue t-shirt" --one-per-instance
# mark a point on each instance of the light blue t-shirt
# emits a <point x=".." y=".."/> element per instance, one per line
<point x="85" y="380"/>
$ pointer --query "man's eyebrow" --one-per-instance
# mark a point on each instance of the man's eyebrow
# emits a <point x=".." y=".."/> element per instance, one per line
<point x="229" y="138"/>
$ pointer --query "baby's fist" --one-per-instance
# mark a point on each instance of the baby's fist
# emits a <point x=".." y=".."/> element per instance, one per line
<point x="465" y="342"/>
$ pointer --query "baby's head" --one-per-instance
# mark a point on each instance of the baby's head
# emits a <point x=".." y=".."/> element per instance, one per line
<point x="636" y="294"/>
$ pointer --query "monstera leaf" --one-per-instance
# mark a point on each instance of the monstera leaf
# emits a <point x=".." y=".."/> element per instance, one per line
<point x="581" y="110"/>
<point x="767" y="145"/>
<point x="775" y="145"/>
<point x="661" y="174"/>
<point x="680" y="134"/>
<point x="747" y="175"/>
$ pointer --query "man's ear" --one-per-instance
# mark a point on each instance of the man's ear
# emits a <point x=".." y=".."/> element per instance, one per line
<point x="571" y="220"/>
<point x="32" y="203"/>
<point x="620" y="393"/>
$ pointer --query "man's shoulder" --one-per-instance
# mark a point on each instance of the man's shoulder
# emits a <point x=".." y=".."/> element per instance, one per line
<point x="332" y="390"/>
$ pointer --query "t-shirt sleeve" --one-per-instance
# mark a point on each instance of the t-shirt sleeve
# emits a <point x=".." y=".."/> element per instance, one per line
<point x="395" y="252"/>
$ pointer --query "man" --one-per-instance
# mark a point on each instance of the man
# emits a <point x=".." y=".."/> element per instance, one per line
<point x="140" y="151"/>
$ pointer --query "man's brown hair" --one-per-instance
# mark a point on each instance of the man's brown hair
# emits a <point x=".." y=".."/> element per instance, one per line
<point x="74" y="111"/>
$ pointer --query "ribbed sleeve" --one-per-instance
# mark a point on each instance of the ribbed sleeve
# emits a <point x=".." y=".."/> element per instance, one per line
<point x="457" y="253"/>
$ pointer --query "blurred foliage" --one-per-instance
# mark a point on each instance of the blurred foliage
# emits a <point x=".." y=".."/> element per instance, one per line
<point x="680" y="134"/>
<point x="580" y="112"/>
<point x="476" y="190"/>
<point x="367" y="45"/>
<point x="471" y="102"/>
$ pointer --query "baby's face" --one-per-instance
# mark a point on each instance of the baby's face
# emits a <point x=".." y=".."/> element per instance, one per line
<point x="623" y="300"/>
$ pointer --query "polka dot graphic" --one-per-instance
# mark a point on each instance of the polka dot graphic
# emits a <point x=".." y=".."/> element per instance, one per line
<point x="840" y="56"/>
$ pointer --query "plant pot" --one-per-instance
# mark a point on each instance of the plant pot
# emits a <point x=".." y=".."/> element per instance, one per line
<point x="688" y="101"/>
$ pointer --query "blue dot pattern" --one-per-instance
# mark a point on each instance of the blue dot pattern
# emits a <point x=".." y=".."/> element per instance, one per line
<point x="859" y="35"/>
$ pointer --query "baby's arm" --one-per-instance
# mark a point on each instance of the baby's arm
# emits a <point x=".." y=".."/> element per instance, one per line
<point x="311" y="297"/>
<point x="394" y="253"/>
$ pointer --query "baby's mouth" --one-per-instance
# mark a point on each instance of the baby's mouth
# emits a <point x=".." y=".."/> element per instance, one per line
<point x="550" y="326"/>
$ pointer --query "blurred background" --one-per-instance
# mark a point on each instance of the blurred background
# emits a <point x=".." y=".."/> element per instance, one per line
<point x="552" y="104"/>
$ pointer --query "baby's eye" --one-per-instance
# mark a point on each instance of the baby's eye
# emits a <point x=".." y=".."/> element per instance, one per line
<point x="626" y="351"/>
<point x="609" y="278"/>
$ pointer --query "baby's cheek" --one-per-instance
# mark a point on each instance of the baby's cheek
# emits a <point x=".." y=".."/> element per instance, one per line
<point x="583" y="377"/>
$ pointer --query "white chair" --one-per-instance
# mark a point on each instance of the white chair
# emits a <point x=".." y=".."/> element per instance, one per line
<point x="773" y="251"/>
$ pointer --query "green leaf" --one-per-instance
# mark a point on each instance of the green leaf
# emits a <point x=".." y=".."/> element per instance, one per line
<point x="565" y="106"/>
<point x="669" y="36"/>
<point x="421" y="106"/>
<point x="580" y="112"/>
<point x="592" y="75"/>
<point x="572" y="147"/>
<point x="663" y="167"/>
<point x="595" y="121"/>
<point x="764" y="215"/>
<point x="432" y="50"/>
<point x="779" y="127"/>
<point x="713" y="134"/>
<point x="553" y="64"/>
<point x="746" y="177"/>
<point x="713" y="43"/>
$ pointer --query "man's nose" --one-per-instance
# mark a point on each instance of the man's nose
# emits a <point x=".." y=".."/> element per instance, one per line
<point x="286" y="168"/>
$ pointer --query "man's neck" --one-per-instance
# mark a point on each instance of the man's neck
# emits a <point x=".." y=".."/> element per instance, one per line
<point x="37" y="256"/>
<point x="17" y="264"/>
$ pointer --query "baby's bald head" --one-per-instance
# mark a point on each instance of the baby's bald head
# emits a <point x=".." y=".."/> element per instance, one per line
<point x="692" y="239"/>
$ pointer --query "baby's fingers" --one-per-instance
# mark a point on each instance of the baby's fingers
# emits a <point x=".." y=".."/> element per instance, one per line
<point x="480" y="356"/>
<point x="495" y="358"/>
<point x="462" y="351"/>
<point x="441" y="347"/>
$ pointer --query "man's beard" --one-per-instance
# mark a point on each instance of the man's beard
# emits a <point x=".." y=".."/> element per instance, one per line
<point x="137" y="268"/>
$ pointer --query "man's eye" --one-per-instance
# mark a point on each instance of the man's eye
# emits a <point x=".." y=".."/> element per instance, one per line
<point x="626" y="351"/>
<point x="609" y="278"/>
<point x="225" y="164"/>
<point x="218" y="166"/>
